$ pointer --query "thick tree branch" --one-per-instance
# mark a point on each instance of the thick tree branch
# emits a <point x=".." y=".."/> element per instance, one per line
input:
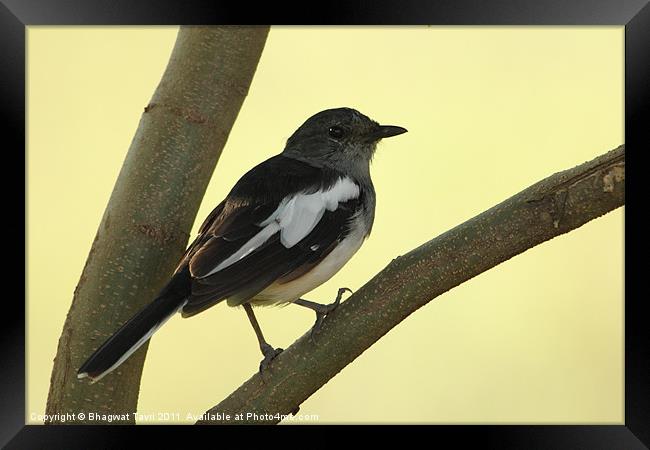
<point x="146" y="224"/>
<point x="554" y="206"/>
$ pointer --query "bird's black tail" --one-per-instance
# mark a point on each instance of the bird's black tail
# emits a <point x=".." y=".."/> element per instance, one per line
<point x="137" y="330"/>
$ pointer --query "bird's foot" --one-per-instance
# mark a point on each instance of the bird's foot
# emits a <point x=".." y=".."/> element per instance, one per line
<point x="269" y="355"/>
<point x="325" y="310"/>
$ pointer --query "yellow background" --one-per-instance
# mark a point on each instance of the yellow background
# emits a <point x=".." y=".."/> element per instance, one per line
<point x="489" y="112"/>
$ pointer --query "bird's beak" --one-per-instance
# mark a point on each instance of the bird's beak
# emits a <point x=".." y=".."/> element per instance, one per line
<point x="384" y="131"/>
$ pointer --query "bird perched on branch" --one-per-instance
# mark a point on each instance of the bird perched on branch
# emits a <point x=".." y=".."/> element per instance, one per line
<point x="287" y="226"/>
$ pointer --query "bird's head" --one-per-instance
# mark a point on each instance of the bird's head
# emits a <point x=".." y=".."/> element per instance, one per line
<point x="340" y="136"/>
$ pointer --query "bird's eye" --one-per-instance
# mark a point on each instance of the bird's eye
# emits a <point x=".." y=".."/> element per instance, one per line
<point x="336" y="132"/>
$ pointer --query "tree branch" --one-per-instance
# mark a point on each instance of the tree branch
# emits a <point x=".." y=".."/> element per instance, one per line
<point x="146" y="225"/>
<point x="554" y="206"/>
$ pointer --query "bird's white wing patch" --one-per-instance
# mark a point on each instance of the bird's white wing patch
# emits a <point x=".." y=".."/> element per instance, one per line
<point x="300" y="216"/>
<point x="295" y="217"/>
<point x="303" y="211"/>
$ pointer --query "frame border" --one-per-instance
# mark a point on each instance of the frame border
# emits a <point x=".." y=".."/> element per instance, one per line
<point x="15" y="15"/>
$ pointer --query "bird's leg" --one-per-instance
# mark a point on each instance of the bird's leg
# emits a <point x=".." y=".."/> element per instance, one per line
<point x="321" y="310"/>
<point x="267" y="350"/>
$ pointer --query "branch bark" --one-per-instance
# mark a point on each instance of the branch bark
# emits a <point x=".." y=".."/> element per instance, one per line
<point x="554" y="206"/>
<point x="170" y="161"/>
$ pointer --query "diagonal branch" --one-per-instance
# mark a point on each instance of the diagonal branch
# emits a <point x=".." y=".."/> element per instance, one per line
<point x="554" y="206"/>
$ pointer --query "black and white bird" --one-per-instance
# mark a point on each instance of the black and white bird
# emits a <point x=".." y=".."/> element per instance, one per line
<point x="286" y="227"/>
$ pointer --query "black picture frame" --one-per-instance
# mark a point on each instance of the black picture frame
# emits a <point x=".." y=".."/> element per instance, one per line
<point x="15" y="15"/>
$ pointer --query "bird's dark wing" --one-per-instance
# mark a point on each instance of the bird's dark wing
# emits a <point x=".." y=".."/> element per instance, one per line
<point x="281" y="219"/>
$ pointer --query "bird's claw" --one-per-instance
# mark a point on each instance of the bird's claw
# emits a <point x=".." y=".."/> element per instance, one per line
<point x="269" y="355"/>
<point x="326" y="311"/>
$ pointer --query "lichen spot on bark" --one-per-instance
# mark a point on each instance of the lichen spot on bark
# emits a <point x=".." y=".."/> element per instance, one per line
<point x="615" y="175"/>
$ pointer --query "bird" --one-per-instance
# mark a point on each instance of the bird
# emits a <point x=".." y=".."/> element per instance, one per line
<point x="287" y="226"/>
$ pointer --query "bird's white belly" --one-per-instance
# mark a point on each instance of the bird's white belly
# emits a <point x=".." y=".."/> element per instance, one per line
<point x="332" y="263"/>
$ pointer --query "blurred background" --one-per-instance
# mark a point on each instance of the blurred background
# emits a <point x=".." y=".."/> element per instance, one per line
<point x="490" y="110"/>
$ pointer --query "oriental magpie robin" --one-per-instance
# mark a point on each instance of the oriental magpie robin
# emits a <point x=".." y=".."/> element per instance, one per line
<point x="286" y="227"/>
